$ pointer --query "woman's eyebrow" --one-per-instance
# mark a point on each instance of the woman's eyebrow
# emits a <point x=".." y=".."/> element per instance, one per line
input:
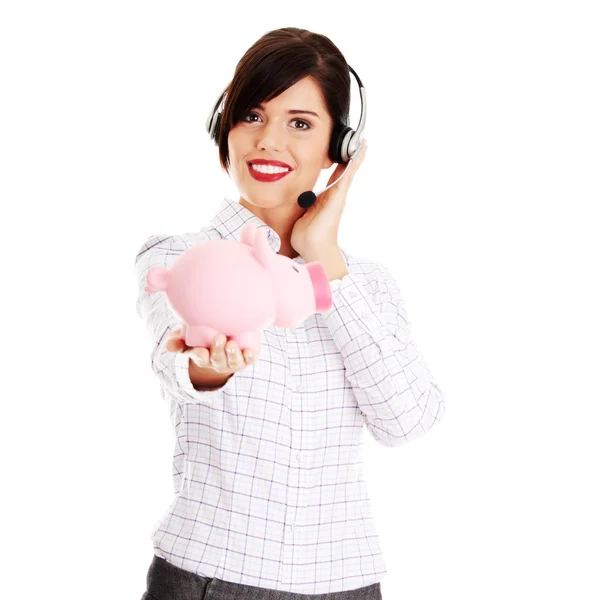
<point x="295" y="111"/>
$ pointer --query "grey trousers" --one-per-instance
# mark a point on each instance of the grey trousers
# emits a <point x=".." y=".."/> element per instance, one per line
<point x="165" y="581"/>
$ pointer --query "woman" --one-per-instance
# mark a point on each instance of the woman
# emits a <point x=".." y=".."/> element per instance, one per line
<point x="269" y="500"/>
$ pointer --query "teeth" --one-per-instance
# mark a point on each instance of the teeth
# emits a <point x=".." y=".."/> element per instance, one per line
<point x="269" y="169"/>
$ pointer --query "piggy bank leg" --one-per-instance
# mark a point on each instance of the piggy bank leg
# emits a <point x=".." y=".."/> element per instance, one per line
<point x="247" y="339"/>
<point x="199" y="336"/>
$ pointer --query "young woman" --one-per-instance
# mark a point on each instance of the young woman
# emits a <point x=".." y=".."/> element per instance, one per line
<point x="269" y="499"/>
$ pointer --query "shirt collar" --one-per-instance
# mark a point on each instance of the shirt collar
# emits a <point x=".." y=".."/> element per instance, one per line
<point x="231" y="218"/>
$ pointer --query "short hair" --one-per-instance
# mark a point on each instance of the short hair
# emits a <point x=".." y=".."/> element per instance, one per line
<point x="275" y="62"/>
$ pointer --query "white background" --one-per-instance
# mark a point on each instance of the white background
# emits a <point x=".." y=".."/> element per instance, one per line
<point x="481" y="190"/>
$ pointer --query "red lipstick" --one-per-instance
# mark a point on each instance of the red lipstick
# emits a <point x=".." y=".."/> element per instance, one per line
<point x="268" y="177"/>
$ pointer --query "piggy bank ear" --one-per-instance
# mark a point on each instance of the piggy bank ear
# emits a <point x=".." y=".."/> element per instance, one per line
<point x="261" y="249"/>
<point x="247" y="235"/>
<point x="157" y="279"/>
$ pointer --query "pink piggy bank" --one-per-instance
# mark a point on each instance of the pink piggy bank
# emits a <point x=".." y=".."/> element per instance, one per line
<point x="238" y="288"/>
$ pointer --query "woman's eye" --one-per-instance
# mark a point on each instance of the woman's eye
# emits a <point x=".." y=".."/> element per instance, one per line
<point x="306" y="127"/>
<point x="304" y="122"/>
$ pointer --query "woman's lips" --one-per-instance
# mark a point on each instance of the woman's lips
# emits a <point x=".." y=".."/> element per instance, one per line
<point x="266" y="177"/>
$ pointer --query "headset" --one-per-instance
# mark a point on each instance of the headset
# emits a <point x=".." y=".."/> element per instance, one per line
<point x="344" y="146"/>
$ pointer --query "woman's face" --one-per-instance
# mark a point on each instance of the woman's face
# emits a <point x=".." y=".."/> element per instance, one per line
<point x="300" y="140"/>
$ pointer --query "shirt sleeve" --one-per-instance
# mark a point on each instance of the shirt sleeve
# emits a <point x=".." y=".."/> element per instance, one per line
<point x="393" y="386"/>
<point x="171" y="368"/>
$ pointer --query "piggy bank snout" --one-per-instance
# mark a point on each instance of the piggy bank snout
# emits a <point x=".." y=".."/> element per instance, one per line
<point x="321" y="287"/>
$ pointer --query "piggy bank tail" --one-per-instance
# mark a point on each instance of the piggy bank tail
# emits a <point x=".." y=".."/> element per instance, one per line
<point x="157" y="279"/>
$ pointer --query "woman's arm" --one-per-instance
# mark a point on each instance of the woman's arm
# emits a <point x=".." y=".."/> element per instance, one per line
<point x="173" y="369"/>
<point x="392" y="383"/>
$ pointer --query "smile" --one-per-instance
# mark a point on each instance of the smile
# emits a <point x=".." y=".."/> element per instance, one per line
<point x="266" y="177"/>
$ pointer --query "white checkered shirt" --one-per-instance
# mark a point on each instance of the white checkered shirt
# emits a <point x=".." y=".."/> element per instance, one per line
<point x="267" y="469"/>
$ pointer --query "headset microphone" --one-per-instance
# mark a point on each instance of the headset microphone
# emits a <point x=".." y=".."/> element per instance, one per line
<point x="307" y="199"/>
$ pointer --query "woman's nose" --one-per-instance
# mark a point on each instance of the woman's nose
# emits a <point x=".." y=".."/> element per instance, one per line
<point x="271" y="136"/>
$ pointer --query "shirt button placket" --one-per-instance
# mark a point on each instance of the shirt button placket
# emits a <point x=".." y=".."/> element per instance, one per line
<point x="299" y="427"/>
<point x="305" y="427"/>
<point x="301" y="456"/>
<point x="293" y="520"/>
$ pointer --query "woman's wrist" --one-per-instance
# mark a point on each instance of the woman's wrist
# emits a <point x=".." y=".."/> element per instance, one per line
<point x="206" y="378"/>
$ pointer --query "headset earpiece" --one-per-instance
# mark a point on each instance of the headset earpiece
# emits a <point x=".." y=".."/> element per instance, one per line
<point x="213" y="123"/>
<point x="341" y="144"/>
<point x="215" y="135"/>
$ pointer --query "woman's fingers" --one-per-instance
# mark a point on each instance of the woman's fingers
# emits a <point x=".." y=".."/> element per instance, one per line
<point x="249" y="355"/>
<point x="217" y="352"/>
<point x="238" y="359"/>
<point x="200" y="356"/>
<point x="235" y="360"/>
<point x="223" y="354"/>
<point x="174" y="342"/>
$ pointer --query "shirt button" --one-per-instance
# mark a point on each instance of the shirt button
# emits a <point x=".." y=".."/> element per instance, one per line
<point x="352" y="294"/>
<point x="300" y="387"/>
<point x="293" y="526"/>
<point x="299" y="457"/>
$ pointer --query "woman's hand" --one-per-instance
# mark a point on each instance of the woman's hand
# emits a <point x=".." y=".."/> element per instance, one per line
<point x="318" y="227"/>
<point x="224" y="356"/>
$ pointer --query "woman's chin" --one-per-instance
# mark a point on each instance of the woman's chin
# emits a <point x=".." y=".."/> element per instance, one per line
<point x="264" y="200"/>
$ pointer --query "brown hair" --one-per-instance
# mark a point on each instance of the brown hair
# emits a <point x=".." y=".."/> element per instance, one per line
<point x="274" y="63"/>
